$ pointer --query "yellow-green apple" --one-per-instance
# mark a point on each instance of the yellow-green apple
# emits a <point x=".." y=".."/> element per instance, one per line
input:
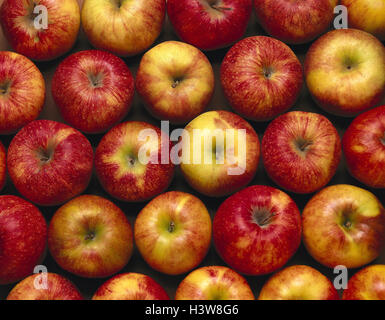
<point x="209" y="24"/>
<point x="344" y="225"/>
<point x="41" y="30"/>
<point x="220" y="153"/>
<point x="90" y="237"/>
<point x="130" y="286"/>
<point x="124" y="27"/>
<point x="46" y="286"/>
<point x="214" y="283"/>
<point x="22" y="91"/>
<point x="342" y="78"/>
<point x="3" y="165"/>
<point x="93" y="90"/>
<point x="23" y="237"/>
<point x="364" y="147"/>
<point x="295" y="21"/>
<point x="132" y="161"/>
<point x="298" y="282"/>
<point x="176" y="81"/>
<point x="301" y="151"/>
<point x="366" y="284"/>
<point x="257" y="230"/>
<point x="261" y="77"/>
<point x="49" y="162"/>
<point x="173" y="232"/>
<point x="367" y="15"/>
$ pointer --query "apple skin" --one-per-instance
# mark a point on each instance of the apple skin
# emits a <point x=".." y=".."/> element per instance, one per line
<point x="125" y="30"/>
<point x="301" y="151"/>
<point x="367" y="15"/>
<point x="16" y="17"/>
<point x="213" y="179"/>
<point x="209" y="24"/>
<point x="214" y="283"/>
<point x="344" y="225"/>
<point x="366" y="284"/>
<point x="22" y="91"/>
<point x="257" y="230"/>
<point x="119" y="170"/>
<point x="261" y="77"/>
<point x="297" y="21"/>
<point x="59" y="288"/>
<point x="176" y="81"/>
<point x="298" y="282"/>
<point x="173" y="232"/>
<point x="130" y="286"/>
<point x="364" y="147"/>
<point x="49" y="162"/>
<point x="343" y="79"/>
<point x="23" y="237"/>
<point x="3" y="165"/>
<point x="93" y="90"/>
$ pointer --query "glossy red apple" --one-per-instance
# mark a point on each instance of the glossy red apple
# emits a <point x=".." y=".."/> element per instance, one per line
<point x="3" y="165"/>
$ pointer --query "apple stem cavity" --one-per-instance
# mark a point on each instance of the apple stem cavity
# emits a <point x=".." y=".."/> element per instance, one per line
<point x="303" y="144"/>
<point x="262" y="217"/>
<point x="90" y="236"/>
<point x="171" y="227"/>
<point x="45" y="155"/>
<point x="95" y="80"/>
<point x="267" y="72"/>
<point x="4" y="88"/>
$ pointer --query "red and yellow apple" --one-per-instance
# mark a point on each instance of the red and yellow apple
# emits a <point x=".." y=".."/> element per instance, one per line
<point x="3" y="165"/>
<point x="93" y="90"/>
<point x="344" y="225"/>
<point x="176" y="81"/>
<point x="261" y="77"/>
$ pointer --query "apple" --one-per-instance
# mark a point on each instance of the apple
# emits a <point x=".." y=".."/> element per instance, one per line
<point x="257" y="230"/>
<point x="209" y="24"/>
<point x="23" y="26"/>
<point x="214" y="283"/>
<point x="344" y="225"/>
<point x="298" y="282"/>
<point x="91" y="237"/>
<point x="364" y="147"/>
<point x="220" y="153"/>
<point x="23" y="237"/>
<point x="124" y="27"/>
<point x="261" y="77"/>
<point x="49" y="162"/>
<point x="3" y="165"/>
<point x="295" y="21"/>
<point x="22" y="91"/>
<point x="93" y="90"/>
<point x="57" y="288"/>
<point x="342" y="78"/>
<point x="301" y="151"/>
<point x="176" y="81"/>
<point x="120" y="169"/>
<point x="130" y="286"/>
<point x="367" y="15"/>
<point x="173" y="232"/>
<point x="366" y="284"/>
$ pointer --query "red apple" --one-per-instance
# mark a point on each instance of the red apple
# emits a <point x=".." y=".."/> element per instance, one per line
<point x="120" y="169"/>
<point x="3" y="165"/>
<point x="214" y="283"/>
<point x="364" y="147"/>
<point x="298" y="283"/>
<point x="21" y="25"/>
<point x="23" y="236"/>
<point x="257" y="230"/>
<point x="173" y="232"/>
<point x="57" y="288"/>
<point x="49" y="162"/>
<point x="90" y="237"/>
<point x="124" y="27"/>
<point x="22" y="91"/>
<point x="130" y="286"/>
<point x="344" y="225"/>
<point x="295" y="21"/>
<point x="301" y="151"/>
<point x="176" y="81"/>
<point x="342" y="78"/>
<point x="209" y="24"/>
<point x="93" y="90"/>
<point x="261" y="77"/>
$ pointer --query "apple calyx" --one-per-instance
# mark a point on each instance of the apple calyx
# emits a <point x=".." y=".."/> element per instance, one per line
<point x="171" y="227"/>
<point x="4" y="87"/>
<point x="45" y="155"/>
<point x="267" y="72"/>
<point x="96" y="80"/>
<point x="262" y="216"/>
<point x="383" y="140"/>
<point x="90" y="236"/>
<point x="118" y="3"/>
<point x="176" y="82"/>
<point x="303" y="144"/>
<point x="346" y="219"/>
